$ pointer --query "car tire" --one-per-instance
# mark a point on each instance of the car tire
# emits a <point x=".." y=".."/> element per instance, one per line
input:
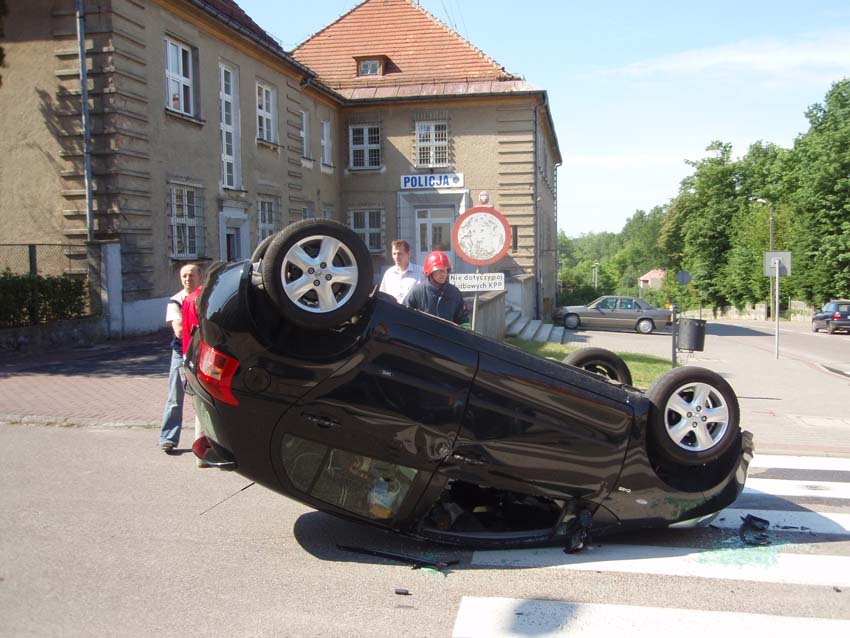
<point x="645" y="326"/>
<point x="815" y="327"/>
<point x="602" y="362"/>
<point x="694" y="417"/>
<point x="338" y="286"/>
<point x="262" y="247"/>
<point x="571" y="322"/>
<point x="830" y="328"/>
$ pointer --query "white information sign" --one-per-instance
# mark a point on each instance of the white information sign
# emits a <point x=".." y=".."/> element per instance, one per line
<point x="478" y="282"/>
<point x="432" y="180"/>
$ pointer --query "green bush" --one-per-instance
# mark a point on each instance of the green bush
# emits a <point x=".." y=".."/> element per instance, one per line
<point x="29" y="299"/>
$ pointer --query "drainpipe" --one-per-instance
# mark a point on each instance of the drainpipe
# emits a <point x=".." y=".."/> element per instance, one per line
<point x="84" y="83"/>
<point x="537" y="269"/>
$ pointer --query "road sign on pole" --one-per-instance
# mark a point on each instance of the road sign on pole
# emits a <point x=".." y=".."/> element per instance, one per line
<point x="777" y="263"/>
<point x="481" y="236"/>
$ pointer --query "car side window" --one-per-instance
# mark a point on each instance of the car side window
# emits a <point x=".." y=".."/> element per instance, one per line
<point x="608" y="304"/>
<point x="627" y="304"/>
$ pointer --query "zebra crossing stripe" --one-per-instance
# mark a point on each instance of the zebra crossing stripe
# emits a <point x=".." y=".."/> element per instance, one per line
<point x="788" y="521"/>
<point x="480" y="617"/>
<point x="781" y="487"/>
<point x="772" y="461"/>
<point x="768" y="563"/>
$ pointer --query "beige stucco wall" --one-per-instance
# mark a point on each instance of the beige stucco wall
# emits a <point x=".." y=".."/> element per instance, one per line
<point x="30" y="162"/>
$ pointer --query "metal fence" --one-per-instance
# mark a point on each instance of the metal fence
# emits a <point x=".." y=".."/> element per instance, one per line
<point x="43" y="259"/>
<point x="43" y="298"/>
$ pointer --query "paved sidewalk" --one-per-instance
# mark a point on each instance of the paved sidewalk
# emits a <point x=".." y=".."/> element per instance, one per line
<point x="793" y="405"/>
<point x="121" y="383"/>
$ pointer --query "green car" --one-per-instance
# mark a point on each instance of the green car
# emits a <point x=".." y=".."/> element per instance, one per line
<point x="611" y="311"/>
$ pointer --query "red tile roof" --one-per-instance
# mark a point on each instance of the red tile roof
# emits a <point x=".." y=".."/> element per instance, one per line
<point x="229" y="11"/>
<point x="420" y="50"/>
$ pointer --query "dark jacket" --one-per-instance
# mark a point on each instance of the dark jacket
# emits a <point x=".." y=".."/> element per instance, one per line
<point x="445" y="302"/>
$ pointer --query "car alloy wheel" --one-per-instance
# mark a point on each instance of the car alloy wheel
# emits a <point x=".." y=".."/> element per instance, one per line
<point x="695" y="416"/>
<point x="571" y="322"/>
<point x="645" y="326"/>
<point x="318" y="273"/>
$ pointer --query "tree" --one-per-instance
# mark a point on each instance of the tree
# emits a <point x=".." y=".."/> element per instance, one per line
<point x="821" y="201"/>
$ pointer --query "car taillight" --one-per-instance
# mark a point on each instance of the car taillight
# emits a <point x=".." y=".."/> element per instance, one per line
<point x="215" y="372"/>
<point x="836" y="315"/>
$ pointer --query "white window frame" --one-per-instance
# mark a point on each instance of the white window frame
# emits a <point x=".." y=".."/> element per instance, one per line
<point x="229" y="130"/>
<point x="186" y="220"/>
<point x="367" y="68"/>
<point x="327" y="143"/>
<point x="305" y="135"/>
<point x="268" y="216"/>
<point x="266" y="120"/>
<point x="427" y="142"/>
<point x="179" y="74"/>
<point x="370" y="226"/>
<point x="366" y="145"/>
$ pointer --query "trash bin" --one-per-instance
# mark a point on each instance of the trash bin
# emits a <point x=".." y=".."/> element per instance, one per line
<point x="691" y="334"/>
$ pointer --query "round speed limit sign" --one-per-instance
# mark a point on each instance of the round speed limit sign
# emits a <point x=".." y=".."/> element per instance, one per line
<point x="481" y="236"/>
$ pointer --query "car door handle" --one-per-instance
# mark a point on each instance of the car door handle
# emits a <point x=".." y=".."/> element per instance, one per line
<point x="471" y="459"/>
<point x="324" y="422"/>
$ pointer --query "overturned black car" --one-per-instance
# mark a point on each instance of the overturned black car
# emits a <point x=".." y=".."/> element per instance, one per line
<point x="311" y="383"/>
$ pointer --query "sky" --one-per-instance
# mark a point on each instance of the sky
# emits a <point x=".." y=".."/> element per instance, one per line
<point x="637" y="87"/>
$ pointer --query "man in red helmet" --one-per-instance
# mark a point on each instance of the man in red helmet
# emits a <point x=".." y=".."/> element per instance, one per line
<point x="436" y="295"/>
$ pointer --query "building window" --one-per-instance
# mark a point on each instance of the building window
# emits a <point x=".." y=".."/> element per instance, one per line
<point x="228" y="106"/>
<point x="327" y="213"/>
<point x="307" y="213"/>
<point x="186" y="219"/>
<point x="179" y="78"/>
<point x="364" y="146"/>
<point x="368" y="67"/>
<point x="305" y="135"/>
<point x="432" y="144"/>
<point x="268" y="216"/>
<point x="369" y="225"/>
<point x="266" y="125"/>
<point x="327" y="146"/>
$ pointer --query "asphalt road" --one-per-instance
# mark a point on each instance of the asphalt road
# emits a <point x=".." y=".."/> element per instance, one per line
<point x="104" y="535"/>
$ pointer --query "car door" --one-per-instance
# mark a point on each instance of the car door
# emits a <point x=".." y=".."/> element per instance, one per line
<point x="627" y="313"/>
<point x="367" y="440"/>
<point x="602" y="313"/>
<point x="540" y="428"/>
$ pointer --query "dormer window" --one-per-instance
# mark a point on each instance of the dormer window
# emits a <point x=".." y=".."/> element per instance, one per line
<point x="371" y="65"/>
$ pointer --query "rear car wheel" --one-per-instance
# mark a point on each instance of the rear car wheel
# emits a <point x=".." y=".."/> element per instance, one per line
<point x="694" y="417"/>
<point x="602" y="362"/>
<point x="262" y="247"/>
<point x="830" y="328"/>
<point x="645" y="326"/>
<point x="317" y="273"/>
<point x="815" y="327"/>
<point x="571" y="322"/>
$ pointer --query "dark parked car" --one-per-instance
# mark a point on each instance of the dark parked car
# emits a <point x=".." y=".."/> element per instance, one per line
<point x="311" y="383"/>
<point x="631" y="313"/>
<point x="834" y="316"/>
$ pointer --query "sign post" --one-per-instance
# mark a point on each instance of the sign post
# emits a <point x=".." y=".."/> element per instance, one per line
<point x="480" y="236"/>
<point x="777" y="263"/>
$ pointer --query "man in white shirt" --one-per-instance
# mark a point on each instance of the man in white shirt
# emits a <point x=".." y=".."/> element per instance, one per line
<point x="401" y="276"/>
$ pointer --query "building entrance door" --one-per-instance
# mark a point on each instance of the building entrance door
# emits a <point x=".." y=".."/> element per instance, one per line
<point x="433" y="232"/>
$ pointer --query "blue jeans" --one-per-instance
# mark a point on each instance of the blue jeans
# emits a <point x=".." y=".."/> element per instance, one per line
<point x="172" y="419"/>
